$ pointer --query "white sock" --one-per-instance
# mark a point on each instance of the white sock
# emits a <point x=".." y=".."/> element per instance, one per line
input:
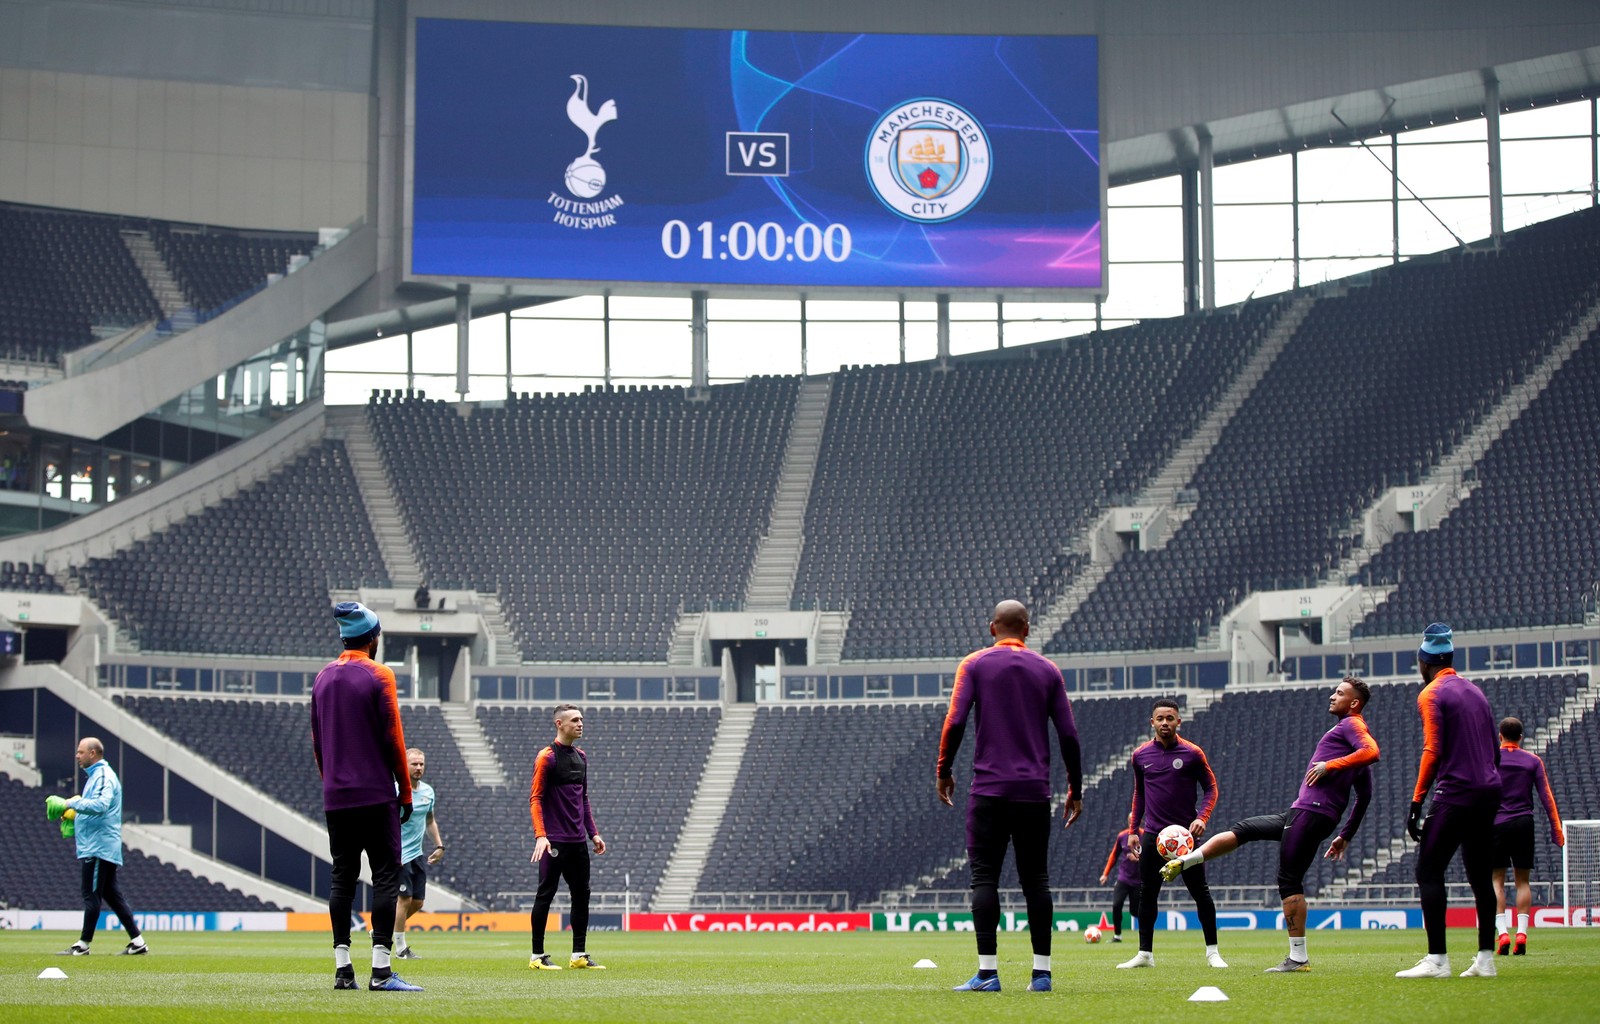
<point x="989" y="963"/>
<point x="1486" y="956"/>
<point x="380" y="958"/>
<point x="1511" y="916"/>
<point x="1193" y="860"/>
<point x="577" y="953"/>
<point x="1041" y="963"/>
<point x="399" y="942"/>
<point x="1439" y="959"/>
<point x="1502" y="922"/>
<point x="136" y="942"/>
<point x="1212" y="950"/>
<point x="341" y="957"/>
<point x="1297" y="949"/>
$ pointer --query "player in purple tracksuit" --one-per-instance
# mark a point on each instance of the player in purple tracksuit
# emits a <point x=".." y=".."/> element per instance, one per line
<point x="1130" y="883"/>
<point x="1014" y="696"/>
<point x="1166" y="772"/>
<point x="563" y="828"/>
<point x="1522" y="776"/>
<point x="1342" y="762"/>
<point x="1460" y="765"/>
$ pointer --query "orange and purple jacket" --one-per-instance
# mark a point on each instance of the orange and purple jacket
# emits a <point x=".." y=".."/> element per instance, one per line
<point x="1124" y="859"/>
<point x="1460" y="742"/>
<point x="558" y="798"/>
<point x="356" y="735"/>
<point x="1016" y="696"/>
<point x="1522" y="775"/>
<point x="1347" y="751"/>
<point x="1164" y="781"/>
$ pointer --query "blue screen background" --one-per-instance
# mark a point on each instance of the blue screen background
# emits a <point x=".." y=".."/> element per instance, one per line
<point x="493" y="139"/>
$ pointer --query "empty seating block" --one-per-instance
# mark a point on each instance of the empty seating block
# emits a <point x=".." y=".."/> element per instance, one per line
<point x="250" y="575"/>
<point x="594" y="516"/>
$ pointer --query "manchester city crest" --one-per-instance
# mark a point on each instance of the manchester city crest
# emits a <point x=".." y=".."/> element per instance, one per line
<point x="928" y="160"/>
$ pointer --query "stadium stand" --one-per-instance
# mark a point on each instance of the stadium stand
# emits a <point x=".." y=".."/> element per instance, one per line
<point x="593" y="515"/>
<point x="217" y="267"/>
<point x="645" y="764"/>
<point x="63" y="274"/>
<point x="42" y="869"/>
<point x="34" y="579"/>
<point x="251" y="575"/>
<point x="1536" y="507"/>
<point x="1294" y="466"/>
<point x="938" y="488"/>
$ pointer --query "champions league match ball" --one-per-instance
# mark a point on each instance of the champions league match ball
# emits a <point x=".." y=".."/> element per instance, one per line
<point x="1091" y="933"/>
<point x="1174" y="841"/>
<point x="585" y="178"/>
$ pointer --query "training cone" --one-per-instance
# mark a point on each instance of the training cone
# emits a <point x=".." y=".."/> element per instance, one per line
<point x="1208" y="994"/>
<point x="52" y="972"/>
<point x="924" y="963"/>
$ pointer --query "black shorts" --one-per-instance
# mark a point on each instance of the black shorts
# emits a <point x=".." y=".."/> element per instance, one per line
<point x="414" y="879"/>
<point x="1300" y="831"/>
<point x="1513" y="842"/>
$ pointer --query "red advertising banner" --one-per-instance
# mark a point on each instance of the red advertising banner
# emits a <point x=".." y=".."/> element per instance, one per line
<point x="749" y="922"/>
<point x="1539" y="917"/>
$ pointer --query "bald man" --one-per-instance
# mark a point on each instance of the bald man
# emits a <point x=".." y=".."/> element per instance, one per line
<point x="97" y="825"/>
<point x="1019" y="694"/>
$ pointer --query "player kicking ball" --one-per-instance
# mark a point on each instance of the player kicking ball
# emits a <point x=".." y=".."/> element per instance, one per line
<point x="1342" y="763"/>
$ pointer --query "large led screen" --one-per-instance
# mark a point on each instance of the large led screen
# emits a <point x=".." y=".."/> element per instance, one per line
<point x="780" y="160"/>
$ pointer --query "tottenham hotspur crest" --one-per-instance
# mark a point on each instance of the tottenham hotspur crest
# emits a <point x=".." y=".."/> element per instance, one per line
<point x="585" y="178"/>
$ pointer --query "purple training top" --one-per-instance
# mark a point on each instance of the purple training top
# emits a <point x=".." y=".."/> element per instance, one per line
<point x="1164" y="781"/>
<point x="1460" y="742"/>
<point x="1348" y="751"/>
<point x="356" y="734"/>
<point x="1016" y="696"/>
<point x="1126" y="861"/>
<point x="1522" y="776"/>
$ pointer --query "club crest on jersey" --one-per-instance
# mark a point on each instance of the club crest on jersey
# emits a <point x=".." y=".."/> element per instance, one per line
<point x="1177" y="762"/>
<point x="928" y="160"/>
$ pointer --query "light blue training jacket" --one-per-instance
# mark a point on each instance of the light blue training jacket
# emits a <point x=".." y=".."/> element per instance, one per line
<point x="98" y="826"/>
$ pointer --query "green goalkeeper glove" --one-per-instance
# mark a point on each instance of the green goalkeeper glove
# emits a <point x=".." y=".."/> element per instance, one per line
<point x="68" y="831"/>
<point x="54" y="807"/>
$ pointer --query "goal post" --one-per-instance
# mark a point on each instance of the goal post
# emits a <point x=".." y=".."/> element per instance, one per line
<point x="1580" y="868"/>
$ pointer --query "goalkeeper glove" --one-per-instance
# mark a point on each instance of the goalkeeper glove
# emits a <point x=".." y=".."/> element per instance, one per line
<point x="1414" y="822"/>
<point x="405" y="812"/>
<point x="68" y="831"/>
<point x="54" y="807"/>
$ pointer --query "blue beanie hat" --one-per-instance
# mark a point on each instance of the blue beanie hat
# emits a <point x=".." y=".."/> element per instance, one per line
<point x="1438" y="639"/>
<point x="354" y="618"/>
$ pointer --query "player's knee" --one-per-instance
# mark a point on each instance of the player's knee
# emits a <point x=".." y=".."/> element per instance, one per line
<point x="1289" y="888"/>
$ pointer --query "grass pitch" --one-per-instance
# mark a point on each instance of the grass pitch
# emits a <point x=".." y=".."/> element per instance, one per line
<point x="788" y="977"/>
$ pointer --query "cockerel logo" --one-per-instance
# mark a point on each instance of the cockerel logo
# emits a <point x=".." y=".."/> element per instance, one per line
<point x="585" y="177"/>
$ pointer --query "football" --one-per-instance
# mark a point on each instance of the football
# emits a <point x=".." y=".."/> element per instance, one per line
<point x="1091" y="933"/>
<point x="1174" y="841"/>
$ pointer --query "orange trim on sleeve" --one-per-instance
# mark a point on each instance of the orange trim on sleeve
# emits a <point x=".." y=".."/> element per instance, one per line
<point x="397" y="734"/>
<point x="1366" y="753"/>
<point x="1210" y="783"/>
<point x="1550" y="803"/>
<point x="1430" y="741"/>
<point x="1111" y="861"/>
<point x="536" y="790"/>
<point x="955" y="717"/>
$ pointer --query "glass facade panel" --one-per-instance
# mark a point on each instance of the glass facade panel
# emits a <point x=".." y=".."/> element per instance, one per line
<point x="830" y="346"/>
<point x="1545" y="166"/>
<point x="1445" y="170"/>
<point x="1267" y="180"/>
<point x="1166" y="191"/>
<point x="736" y="350"/>
<point x="1240" y="279"/>
<point x="1142" y="234"/>
<point x="1539" y="122"/>
<point x="972" y="336"/>
<point x="644" y="349"/>
<point x="434" y="350"/>
<point x="558" y="347"/>
<point x="1145" y="290"/>
<point x="1254" y="232"/>
<point x="1421" y="231"/>
<point x="1346" y="229"/>
<point x="1346" y="172"/>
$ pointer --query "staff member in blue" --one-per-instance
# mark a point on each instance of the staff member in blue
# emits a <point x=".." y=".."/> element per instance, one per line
<point x="97" y="828"/>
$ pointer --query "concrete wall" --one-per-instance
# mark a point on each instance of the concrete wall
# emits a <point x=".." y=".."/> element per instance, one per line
<point x="235" y="155"/>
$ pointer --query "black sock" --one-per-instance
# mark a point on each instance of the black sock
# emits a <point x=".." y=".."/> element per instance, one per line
<point x="344" y="972"/>
<point x="1040" y="974"/>
<point x="982" y="973"/>
<point x="380" y="973"/>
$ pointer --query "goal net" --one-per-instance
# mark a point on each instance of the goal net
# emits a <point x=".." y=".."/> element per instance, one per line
<point x="1580" y="872"/>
